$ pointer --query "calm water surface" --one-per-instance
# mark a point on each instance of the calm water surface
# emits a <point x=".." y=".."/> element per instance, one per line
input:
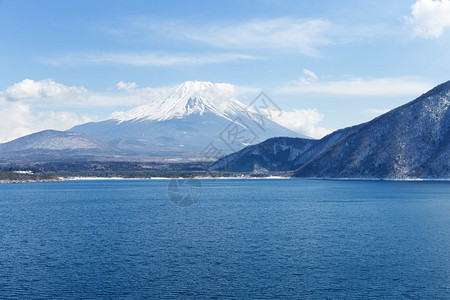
<point x="243" y="239"/>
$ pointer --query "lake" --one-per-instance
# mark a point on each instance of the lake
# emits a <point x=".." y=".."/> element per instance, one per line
<point x="246" y="239"/>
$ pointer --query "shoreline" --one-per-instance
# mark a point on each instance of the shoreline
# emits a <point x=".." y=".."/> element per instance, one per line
<point x="65" y="179"/>
<point x="167" y="178"/>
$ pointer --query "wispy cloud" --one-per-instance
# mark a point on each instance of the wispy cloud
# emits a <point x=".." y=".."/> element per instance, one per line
<point x="296" y="35"/>
<point x="390" y="86"/>
<point x="430" y="18"/>
<point x="220" y="41"/>
<point x="147" y="59"/>
<point x="299" y="35"/>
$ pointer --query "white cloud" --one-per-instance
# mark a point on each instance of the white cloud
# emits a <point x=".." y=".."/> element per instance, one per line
<point x="148" y="59"/>
<point x="304" y="121"/>
<point x="309" y="77"/>
<point x="126" y="85"/>
<point x="24" y="107"/>
<point x="33" y="90"/>
<point x="44" y="92"/>
<point x="17" y="119"/>
<point x="430" y="18"/>
<point x="61" y="120"/>
<point x="393" y="86"/>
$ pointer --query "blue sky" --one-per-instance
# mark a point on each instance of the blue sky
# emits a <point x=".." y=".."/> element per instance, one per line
<point x="328" y="64"/>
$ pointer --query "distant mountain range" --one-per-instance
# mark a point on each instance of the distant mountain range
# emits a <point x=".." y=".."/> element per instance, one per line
<point x="177" y="128"/>
<point x="411" y="141"/>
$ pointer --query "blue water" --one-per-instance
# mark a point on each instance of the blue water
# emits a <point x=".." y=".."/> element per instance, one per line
<point x="243" y="239"/>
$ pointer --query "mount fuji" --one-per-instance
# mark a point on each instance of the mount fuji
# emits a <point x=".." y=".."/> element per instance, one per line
<point x="194" y="116"/>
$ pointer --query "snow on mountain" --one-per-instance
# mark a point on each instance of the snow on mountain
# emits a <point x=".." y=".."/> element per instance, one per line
<point x="411" y="141"/>
<point x="191" y="97"/>
<point x="53" y="140"/>
<point x="272" y="155"/>
<point x="194" y="115"/>
<point x="280" y="153"/>
<point x="52" y="144"/>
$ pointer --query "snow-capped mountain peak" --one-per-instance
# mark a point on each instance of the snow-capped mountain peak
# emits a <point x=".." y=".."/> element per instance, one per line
<point x="191" y="97"/>
<point x="192" y="116"/>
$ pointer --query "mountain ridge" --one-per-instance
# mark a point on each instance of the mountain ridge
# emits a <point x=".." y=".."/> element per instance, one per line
<point x="398" y="144"/>
<point x="54" y="145"/>
<point x="410" y="141"/>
